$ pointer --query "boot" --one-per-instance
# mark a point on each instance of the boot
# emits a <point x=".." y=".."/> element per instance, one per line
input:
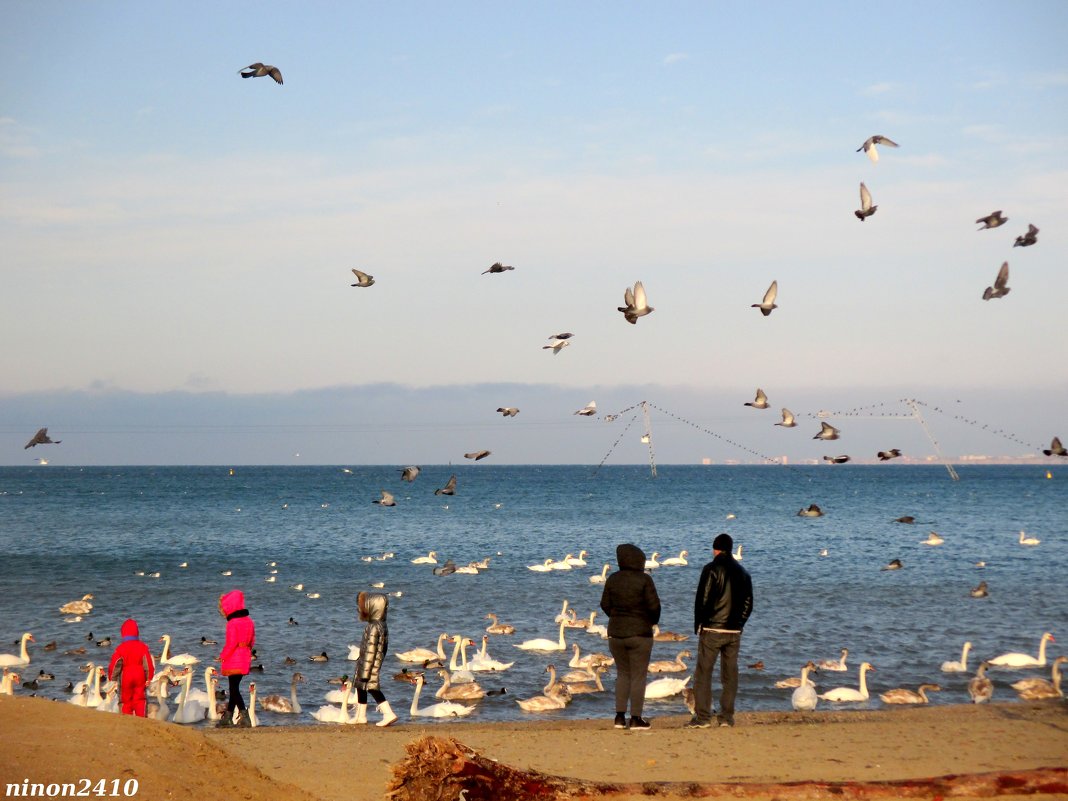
<point x="387" y="714"/>
<point x="361" y="714"/>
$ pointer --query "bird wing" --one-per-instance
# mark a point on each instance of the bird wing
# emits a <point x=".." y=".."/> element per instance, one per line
<point x="640" y="301"/>
<point x="773" y="290"/>
<point x="882" y="140"/>
<point x="364" y="277"/>
<point x="38" y="438"/>
<point x="761" y="397"/>
<point x="1056" y="444"/>
<point x="865" y="197"/>
<point x="1031" y="230"/>
<point x="787" y="415"/>
<point x="1003" y="276"/>
<point x="451" y="483"/>
<point x="628" y="298"/>
<point x="387" y="497"/>
<point x="275" y="73"/>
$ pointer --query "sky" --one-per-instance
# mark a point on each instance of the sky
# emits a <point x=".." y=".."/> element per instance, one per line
<point x="177" y="242"/>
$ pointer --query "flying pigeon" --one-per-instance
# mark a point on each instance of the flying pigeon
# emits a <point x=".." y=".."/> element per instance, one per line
<point x="476" y="455"/>
<point x="259" y="70"/>
<point x="760" y="402"/>
<point x="409" y="473"/>
<point x="637" y="304"/>
<point x="836" y="459"/>
<point x="557" y="346"/>
<point x="588" y="410"/>
<point x="1028" y="239"/>
<point x="870" y="143"/>
<point x="992" y="220"/>
<point x="508" y="411"/>
<point x="885" y="456"/>
<point x="1000" y="288"/>
<point x="386" y="499"/>
<point x="866" y="208"/>
<point x="41" y="438"/>
<point x="449" y="488"/>
<point x="827" y="431"/>
<point x="768" y="303"/>
<point x="787" y="419"/>
<point x="565" y="335"/>
<point x="1055" y="448"/>
<point x="497" y="267"/>
<point x="363" y="279"/>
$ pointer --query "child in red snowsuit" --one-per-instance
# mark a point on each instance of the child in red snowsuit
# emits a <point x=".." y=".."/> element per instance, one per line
<point x="132" y="667"/>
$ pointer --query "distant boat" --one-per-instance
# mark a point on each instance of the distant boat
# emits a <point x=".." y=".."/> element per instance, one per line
<point x="1048" y="473"/>
<point x="45" y="461"/>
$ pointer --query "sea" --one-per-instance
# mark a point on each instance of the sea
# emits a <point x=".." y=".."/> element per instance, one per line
<point x="161" y="544"/>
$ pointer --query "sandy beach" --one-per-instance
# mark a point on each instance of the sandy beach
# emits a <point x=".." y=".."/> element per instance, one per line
<point x="50" y="742"/>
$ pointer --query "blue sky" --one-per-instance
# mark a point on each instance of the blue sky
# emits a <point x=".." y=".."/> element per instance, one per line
<point x="171" y="229"/>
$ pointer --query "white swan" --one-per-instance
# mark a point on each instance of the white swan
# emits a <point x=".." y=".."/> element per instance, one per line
<point x="737" y="553"/>
<point x="205" y="696"/>
<point x="562" y="564"/>
<point x="482" y="661"/>
<point x="282" y="705"/>
<point x="188" y="711"/>
<point x="933" y="539"/>
<point x="165" y="657"/>
<point x="423" y="654"/>
<point x="159" y="686"/>
<point x="354" y="653"/>
<point x="461" y="674"/>
<point x="589" y="682"/>
<point x="250" y="710"/>
<point x="651" y="563"/>
<point x="544" y="567"/>
<point x="331" y="714"/>
<point x="1036" y="689"/>
<point x="1018" y="660"/>
<point x="980" y="688"/>
<point x="23" y="657"/>
<point x="560" y="618"/>
<point x="838" y="664"/>
<point x="429" y="559"/>
<point x="676" y="666"/>
<point x="576" y="561"/>
<point x="468" y="691"/>
<point x="676" y="560"/>
<point x="1025" y="540"/>
<point x="962" y="665"/>
<point x="7" y="684"/>
<point x="805" y="698"/>
<point x="444" y="709"/>
<point x="596" y="628"/>
<point x="555" y="696"/>
<point x="602" y="576"/>
<point x="665" y="688"/>
<point x="111" y="698"/>
<point x="844" y="694"/>
<point x="543" y="644"/>
<point x="82" y="607"/>
<point x="498" y="628"/>
<point x="902" y="695"/>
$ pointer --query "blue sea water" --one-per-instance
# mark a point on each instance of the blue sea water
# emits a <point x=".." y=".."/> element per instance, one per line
<point x="68" y="531"/>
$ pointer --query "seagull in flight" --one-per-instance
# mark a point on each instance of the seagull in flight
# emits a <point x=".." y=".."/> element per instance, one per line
<point x="637" y="304"/>
<point x="497" y="267"/>
<point x="259" y="70"/>
<point x="768" y="303"/>
<point x="1028" y="239"/>
<point x="836" y="459"/>
<point x="565" y="335"/>
<point x="760" y="401"/>
<point x="827" y="431"/>
<point x="787" y="419"/>
<point x="41" y="438"/>
<point x="1001" y="287"/>
<point x="386" y="499"/>
<point x="362" y="279"/>
<point x="1055" y="448"/>
<point x="508" y="411"/>
<point x="556" y="346"/>
<point x="476" y="455"/>
<point x="866" y="208"/>
<point x="449" y="488"/>
<point x="992" y="220"/>
<point x="409" y="473"/>
<point x="588" y="410"/>
<point x="870" y="143"/>
<point x="885" y="456"/>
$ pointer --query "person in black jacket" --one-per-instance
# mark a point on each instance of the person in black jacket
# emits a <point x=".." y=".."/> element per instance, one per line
<point x="723" y="603"/>
<point x="633" y="608"/>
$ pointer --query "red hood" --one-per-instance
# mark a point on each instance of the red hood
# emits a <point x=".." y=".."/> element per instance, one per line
<point x="232" y="601"/>
<point x="129" y="629"/>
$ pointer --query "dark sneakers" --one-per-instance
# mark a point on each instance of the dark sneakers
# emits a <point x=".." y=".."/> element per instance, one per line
<point x="698" y="724"/>
<point x="638" y="723"/>
<point x="621" y="720"/>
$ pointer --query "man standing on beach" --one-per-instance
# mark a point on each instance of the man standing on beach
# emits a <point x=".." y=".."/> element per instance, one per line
<point x="723" y="604"/>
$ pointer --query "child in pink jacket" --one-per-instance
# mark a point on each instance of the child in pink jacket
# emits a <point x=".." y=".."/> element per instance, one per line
<point x="236" y="656"/>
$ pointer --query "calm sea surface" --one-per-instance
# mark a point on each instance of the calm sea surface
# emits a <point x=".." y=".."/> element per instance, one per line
<point x="70" y="531"/>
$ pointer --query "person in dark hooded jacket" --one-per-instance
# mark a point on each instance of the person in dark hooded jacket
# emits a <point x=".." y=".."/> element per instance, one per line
<point x="633" y="608"/>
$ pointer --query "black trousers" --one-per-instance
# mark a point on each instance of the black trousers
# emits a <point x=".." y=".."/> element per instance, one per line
<point x="632" y="666"/>
<point x="236" y="701"/>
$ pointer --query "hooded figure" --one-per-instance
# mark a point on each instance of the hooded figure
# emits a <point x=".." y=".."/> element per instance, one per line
<point x="236" y="656"/>
<point x="372" y="607"/>
<point x="132" y="667"/>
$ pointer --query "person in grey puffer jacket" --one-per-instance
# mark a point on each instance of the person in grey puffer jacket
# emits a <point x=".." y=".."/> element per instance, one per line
<point x="633" y="607"/>
<point x="372" y="607"/>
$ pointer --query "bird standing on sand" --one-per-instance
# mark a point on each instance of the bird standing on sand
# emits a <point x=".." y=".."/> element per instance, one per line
<point x="827" y="431"/>
<point x="760" y="401"/>
<point x="41" y="438"/>
<point x="866" y="208"/>
<point x="1055" y="448"/>
<point x="497" y="267"/>
<point x="787" y="419"/>
<point x="476" y="455"/>
<point x="449" y="488"/>
<point x="1028" y="239"/>
<point x="768" y="303"/>
<point x="259" y="70"/>
<point x="409" y="473"/>
<point x="508" y="411"/>
<point x="992" y="220"/>
<point x="637" y="304"/>
<point x="1000" y="288"/>
<point x="362" y="279"/>
<point x="869" y="146"/>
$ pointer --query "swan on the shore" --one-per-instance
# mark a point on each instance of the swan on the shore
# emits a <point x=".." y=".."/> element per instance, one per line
<point x="962" y="665"/>
<point x="601" y="577"/>
<point x="282" y="705"/>
<point x="838" y="664"/>
<point x="676" y="560"/>
<point x="332" y="714"/>
<point x="542" y="644"/>
<point x="845" y="694"/>
<point x="980" y="688"/>
<point x="805" y="698"/>
<point x="497" y="627"/>
<point x="423" y="654"/>
<point x="1019" y="660"/>
<point x="674" y="666"/>
<point x="22" y="658"/>
<point x="902" y="695"/>
<point x="165" y="658"/>
<point x="665" y="688"/>
<point x="1038" y="689"/>
<point x="444" y="709"/>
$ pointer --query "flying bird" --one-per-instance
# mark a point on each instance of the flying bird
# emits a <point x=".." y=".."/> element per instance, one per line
<point x="565" y="335"/>
<point x="556" y="346"/>
<point x="866" y="208"/>
<point x="1000" y="288"/>
<point x="259" y="70"/>
<point x="588" y="410"/>
<point x="508" y="411"/>
<point x="41" y="438"/>
<point x="386" y="499"/>
<point x="836" y="459"/>
<point x="894" y="564"/>
<point x="812" y="511"/>
<point x="885" y="456"/>
<point x="760" y="401"/>
<point x="1028" y="239"/>
<point x="787" y="419"/>
<point x="362" y="279"/>
<point x="992" y="220"/>
<point x="1055" y="448"/>
<point x="907" y="519"/>
<point x="870" y="143"/>
<point x="476" y="455"/>
<point x="827" y="431"/>
<point x="497" y="267"/>
<point x="768" y="303"/>
<point x="980" y="591"/>
<point x="409" y="473"/>
<point x="637" y="304"/>
<point x="449" y="488"/>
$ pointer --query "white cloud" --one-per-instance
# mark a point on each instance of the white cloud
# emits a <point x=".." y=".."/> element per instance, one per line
<point x="878" y="88"/>
<point x="675" y="58"/>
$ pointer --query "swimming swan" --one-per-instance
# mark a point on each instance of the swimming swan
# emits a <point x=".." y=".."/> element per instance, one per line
<point x="469" y="691"/>
<point x="429" y="559"/>
<point x="423" y="654"/>
<point x="482" y="661"/>
<point x="445" y="709"/>
<point x="83" y="607"/>
<point x="23" y="657"/>
<point x="843" y="694"/>
<point x="901" y="695"/>
<point x="543" y="644"/>
<point x="1037" y="689"/>
<point x="962" y="665"/>
<point x="676" y="560"/>
<point x="282" y="705"/>
<point x="556" y="696"/>
<point x="498" y="628"/>
<point x="165" y="657"/>
<point x="1025" y="540"/>
<point x="665" y="688"/>
<point x="602" y="577"/>
<point x="188" y="711"/>
<point x="834" y="664"/>
<point x="676" y="666"/>
<point x="331" y="714"/>
<point x="1018" y="660"/>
